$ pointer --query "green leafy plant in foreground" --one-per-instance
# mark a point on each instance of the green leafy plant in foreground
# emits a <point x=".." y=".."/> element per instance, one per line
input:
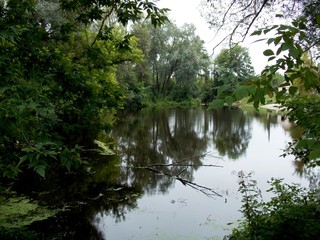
<point x="58" y="62"/>
<point x="292" y="213"/>
<point x="298" y="92"/>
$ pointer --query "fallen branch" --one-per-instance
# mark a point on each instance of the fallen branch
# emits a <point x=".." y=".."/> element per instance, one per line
<point x="205" y="190"/>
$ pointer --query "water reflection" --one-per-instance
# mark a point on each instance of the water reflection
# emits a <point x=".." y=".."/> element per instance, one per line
<point x="159" y="137"/>
<point x="167" y="138"/>
<point x="77" y="197"/>
<point x="173" y="141"/>
<point x="231" y="132"/>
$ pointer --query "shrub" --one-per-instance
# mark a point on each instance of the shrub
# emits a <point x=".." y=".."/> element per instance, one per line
<point x="292" y="213"/>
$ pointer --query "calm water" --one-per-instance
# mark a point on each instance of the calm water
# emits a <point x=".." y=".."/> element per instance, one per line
<point x="203" y="149"/>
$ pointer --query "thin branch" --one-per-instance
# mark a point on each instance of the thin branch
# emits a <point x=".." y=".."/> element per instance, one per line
<point x="244" y="8"/>
<point x="255" y="17"/>
<point x="205" y="190"/>
<point x="102" y="24"/>
<point x="181" y="165"/>
<point x="224" y="17"/>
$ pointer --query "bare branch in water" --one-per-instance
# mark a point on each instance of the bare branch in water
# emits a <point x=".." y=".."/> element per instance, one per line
<point x="155" y="168"/>
<point x="203" y="189"/>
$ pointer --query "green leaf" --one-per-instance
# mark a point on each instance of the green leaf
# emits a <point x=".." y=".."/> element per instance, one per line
<point x="304" y="143"/>
<point x="241" y="92"/>
<point x="215" y="104"/>
<point x="270" y="40"/>
<point x="293" y="90"/>
<point x="229" y="101"/>
<point x="257" y="32"/>
<point x="252" y="90"/>
<point x="294" y="52"/>
<point x="314" y="154"/>
<point x="285" y="46"/>
<point x="268" y="52"/>
<point x="271" y="58"/>
<point x="40" y="170"/>
<point x="277" y="40"/>
<point x="223" y="88"/>
<point x="105" y="149"/>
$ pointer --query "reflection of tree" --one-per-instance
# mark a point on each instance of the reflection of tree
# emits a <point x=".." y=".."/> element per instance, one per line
<point x="267" y="119"/>
<point x="79" y="197"/>
<point x="231" y="132"/>
<point x="161" y="137"/>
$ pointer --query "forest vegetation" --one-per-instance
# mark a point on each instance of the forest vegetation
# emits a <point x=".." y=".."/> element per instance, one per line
<point x="68" y="66"/>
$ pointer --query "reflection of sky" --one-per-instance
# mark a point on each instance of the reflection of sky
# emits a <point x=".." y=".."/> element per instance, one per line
<point x="183" y="213"/>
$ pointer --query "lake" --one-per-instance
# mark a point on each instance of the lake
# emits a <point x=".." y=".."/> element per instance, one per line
<point x="173" y="175"/>
<point x="185" y="165"/>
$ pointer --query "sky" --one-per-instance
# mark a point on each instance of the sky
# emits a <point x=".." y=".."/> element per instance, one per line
<point x="188" y="11"/>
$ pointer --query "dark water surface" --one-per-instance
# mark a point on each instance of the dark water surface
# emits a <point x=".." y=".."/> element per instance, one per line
<point x="174" y="176"/>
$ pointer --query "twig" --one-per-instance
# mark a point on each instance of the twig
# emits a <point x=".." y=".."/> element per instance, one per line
<point x="181" y="165"/>
<point x="205" y="190"/>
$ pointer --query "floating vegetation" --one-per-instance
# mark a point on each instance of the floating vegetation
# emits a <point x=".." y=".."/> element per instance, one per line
<point x="17" y="212"/>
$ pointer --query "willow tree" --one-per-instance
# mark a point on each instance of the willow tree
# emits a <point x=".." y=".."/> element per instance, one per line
<point x="177" y="57"/>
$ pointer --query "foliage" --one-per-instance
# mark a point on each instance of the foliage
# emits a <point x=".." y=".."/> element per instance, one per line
<point x="299" y="89"/>
<point x="176" y="57"/>
<point x="235" y="18"/>
<point x="232" y="66"/>
<point x="292" y="213"/>
<point x="172" y="61"/>
<point x="58" y="62"/>
<point x="306" y="112"/>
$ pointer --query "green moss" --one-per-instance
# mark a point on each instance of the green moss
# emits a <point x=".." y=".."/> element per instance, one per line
<point x="18" y="212"/>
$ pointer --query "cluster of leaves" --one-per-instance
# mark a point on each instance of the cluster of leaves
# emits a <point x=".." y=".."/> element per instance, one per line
<point x="299" y="89"/>
<point x="174" y="59"/>
<point x="231" y="68"/>
<point x="292" y="213"/>
<point x="305" y="111"/>
<point x="58" y="76"/>
<point x="301" y="77"/>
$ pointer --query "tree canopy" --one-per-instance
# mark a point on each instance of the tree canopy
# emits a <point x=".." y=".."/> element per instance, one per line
<point x="232" y="66"/>
<point x="58" y="62"/>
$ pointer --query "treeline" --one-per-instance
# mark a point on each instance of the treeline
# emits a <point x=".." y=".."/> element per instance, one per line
<point x="58" y="70"/>
<point x="177" y="67"/>
<point x="66" y="66"/>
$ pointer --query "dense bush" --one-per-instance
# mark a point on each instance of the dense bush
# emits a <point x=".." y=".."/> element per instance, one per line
<point x="292" y="213"/>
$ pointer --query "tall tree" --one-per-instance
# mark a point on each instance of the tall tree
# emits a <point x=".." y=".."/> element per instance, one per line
<point x="232" y="67"/>
<point x="58" y="75"/>
<point x="177" y="56"/>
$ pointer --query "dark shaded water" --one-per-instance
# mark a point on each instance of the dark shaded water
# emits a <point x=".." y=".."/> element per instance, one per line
<point x="174" y="176"/>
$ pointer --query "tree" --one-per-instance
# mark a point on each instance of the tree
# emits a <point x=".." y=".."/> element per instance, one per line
<point x="232" y="67"/>
<point x="58" y="76"/>
<point x="173" y="60"/>
<point x="177" y="57"/>
<point x="292" y="42"/>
